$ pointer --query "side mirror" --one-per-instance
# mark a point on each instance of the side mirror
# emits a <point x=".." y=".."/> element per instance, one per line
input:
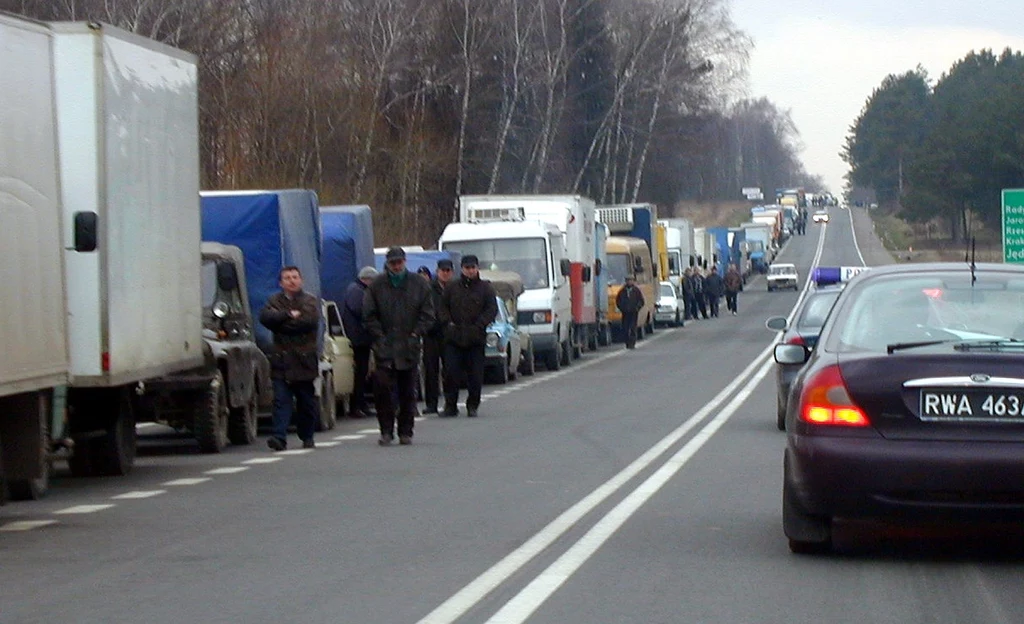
<point x="791" y="354"/>
<point x="565" y="267"/>
<point x="638" y="264"/>
<point x="777" y="323"/>
<point x="227" y="276"/>
<point x="597" y="267"/>
<point x="86" y="231"/>
<point x="587" y="274"/>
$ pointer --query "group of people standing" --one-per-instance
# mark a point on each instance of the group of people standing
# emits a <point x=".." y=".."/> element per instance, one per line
<point x="703" y="291"/>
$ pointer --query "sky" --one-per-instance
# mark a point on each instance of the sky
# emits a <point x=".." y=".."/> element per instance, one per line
<point x="821" y="59"/>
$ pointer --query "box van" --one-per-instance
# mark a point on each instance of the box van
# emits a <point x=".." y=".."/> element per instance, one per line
<point x="631" y="256"/>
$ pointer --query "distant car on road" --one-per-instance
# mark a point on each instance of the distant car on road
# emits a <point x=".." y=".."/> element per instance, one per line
<point x="668" y="310"/>
<point x="820" y="216"/>
<point x="911" y="406"/>
<point x="783" y="275"/>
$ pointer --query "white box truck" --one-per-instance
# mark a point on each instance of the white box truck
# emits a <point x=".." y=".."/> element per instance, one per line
<point x="679" y="240"/>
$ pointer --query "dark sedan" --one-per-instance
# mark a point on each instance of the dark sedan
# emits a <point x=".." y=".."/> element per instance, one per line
<point x="912" y="404"/>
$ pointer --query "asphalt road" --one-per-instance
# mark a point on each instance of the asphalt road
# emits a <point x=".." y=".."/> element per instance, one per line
<point x="637" y="486"/>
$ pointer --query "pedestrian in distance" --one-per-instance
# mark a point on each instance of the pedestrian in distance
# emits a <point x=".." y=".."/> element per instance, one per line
<point x="688" y="301"/>
<point x="293" y="316"/>
<point x="468" y="305"/>
<point x="733" y="282"/>
<point x="362" y="341"/>
<point x="433" y="340"/>
<point x="629" y="301"/>
<point x="700" y="301"/>
<point x="713" y="290"/>
<point x="397" y="311"/>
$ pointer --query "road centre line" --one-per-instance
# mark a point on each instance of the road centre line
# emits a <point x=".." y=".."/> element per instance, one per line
<point x="523" y="604"/>
<point x="138" y="494"/>
<point x="469" y="596"/>
<point x="82" y="509"/>
<point x="24" y="525"/>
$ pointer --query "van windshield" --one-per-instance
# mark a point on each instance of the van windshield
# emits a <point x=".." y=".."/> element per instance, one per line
<point x="618" y="268"/>
<point x="526" y="256"/>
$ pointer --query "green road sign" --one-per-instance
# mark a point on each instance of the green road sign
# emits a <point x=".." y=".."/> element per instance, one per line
<point x="1013" y="226"/>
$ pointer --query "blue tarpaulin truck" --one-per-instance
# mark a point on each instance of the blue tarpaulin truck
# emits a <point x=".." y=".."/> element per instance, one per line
<point x="347" y="247"/>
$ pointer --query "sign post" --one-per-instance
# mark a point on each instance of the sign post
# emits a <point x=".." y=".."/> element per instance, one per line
<point x="1013" y="226"/>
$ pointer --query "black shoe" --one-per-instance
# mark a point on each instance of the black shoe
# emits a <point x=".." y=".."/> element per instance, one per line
<point x="450" y="411"/>
<point x="405" y="440"/>
<point x="357" y="413"/>
<point x="430" y="409"/>
<point x="471" y="412"/>
<point x="385" y="439"/>
<point x="308" y="444"/>
<point x="277" y="444"/>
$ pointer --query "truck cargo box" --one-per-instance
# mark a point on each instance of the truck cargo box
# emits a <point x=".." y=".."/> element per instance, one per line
<point x="127" y="112"/>
<point x="274" y="229"/>
<point x="33" y="334"/>
<point x="347" y="247"/>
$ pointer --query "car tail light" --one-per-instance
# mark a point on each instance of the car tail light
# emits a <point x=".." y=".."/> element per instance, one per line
<point x="825" y="401"/>
<point x="796" y="340"/>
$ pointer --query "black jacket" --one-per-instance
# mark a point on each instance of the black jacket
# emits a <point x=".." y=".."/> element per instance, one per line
<point x="629" y="300"/>
<point x="467" y="308"/>
<point x="294" y="356"/>
<point x="713" y="285"/>
<point x="352" y="315"/>
<point x="436" y="294"/>
<point x="397" y="317"/>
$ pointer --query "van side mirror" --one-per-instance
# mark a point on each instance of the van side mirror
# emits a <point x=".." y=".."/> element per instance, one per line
<point x="227" y="276"/>
<point x="86" y="231"/>
<point x="565" y="267"/>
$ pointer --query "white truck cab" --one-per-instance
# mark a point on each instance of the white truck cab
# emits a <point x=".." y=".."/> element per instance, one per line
<point x="503" y="240"/>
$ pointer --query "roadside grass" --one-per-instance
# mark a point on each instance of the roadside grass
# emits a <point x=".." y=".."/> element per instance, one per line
<point x="927" y="243"/>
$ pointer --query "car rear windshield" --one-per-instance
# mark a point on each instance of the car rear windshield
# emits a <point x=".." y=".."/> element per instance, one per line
<point x="666" y="291"/>
<point x="922" y="306"/>
<point x="782" y="270"/>
<point x="816" y="309"/>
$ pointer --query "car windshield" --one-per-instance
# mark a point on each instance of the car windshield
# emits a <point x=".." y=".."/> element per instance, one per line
<point x="525" y="256"/>
<point x="618" y="268"/>
<point x="925" y="307"/>
<point x="816" y="309"/>
<point x="666" y="290"/>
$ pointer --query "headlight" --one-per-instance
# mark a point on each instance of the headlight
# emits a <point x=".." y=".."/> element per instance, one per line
<point x="492" y="339"/>
<point x="542" y="316"/>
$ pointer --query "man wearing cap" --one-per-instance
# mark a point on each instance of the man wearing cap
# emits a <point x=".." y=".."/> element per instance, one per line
<point x="468" y="306"/>
<point x="397" y="311"/>
<point x="433" y="341"/>
<point x="733" y="283"/>
<point x="629" y="301"/>
<point x="352" y="319"/>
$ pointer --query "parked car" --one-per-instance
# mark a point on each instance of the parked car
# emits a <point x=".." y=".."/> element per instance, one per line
<point x="783" y="276"/>
<point x="507" y="346"/>
<point x="335" y="387"/>
<point x="669" y="309"/>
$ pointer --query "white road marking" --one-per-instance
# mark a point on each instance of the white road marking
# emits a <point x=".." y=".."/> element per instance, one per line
<point x="82" y="509"/>
<point x="327" y="444"/>
<point x="227" y="470"/>
<point x="192" y="481"/>
<point x="25" y="525"/>
<point x="294" y="452"/>
<point x="147" y="425"/>
<point x="853" y="230"/>
<point x="520" y="607"/>
<point x="138" y="494"/>
<point x="263" y="460"/>
<point x="343" y="438"/>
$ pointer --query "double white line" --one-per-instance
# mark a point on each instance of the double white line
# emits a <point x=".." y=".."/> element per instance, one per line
<point x="530" y="598"/>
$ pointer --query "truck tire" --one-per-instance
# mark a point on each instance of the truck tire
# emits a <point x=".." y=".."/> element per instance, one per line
<point x="243" y="421"/>
<point x="553" y="358"/>
<point x="576" y="341"/>
<point x="34" y="489"/>
<point x="604" y="336"/>
<point x="113" y="452"/>
<point x="211" y="417"/>
<point x="566" y="349"/>
<point x="328" y="405"/>
<point x="528" y="362"/>
<point x="592" y="338"/>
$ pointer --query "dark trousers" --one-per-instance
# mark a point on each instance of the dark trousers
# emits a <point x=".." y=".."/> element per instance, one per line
<point x="730" y="301"/>
<point x="629" y="329"/>
<point x="702" y="305"/>
<point x="387" y="382"/>
<point x="687" y="307"/>
<point x="286" y="395"/>
<point x="433" y="352"/>
<point x="464" y="364"/>
<point x="361" y="355"/>
<point x="713" y="301"/>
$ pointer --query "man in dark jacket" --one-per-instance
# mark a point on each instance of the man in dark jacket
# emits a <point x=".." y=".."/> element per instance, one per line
<point x="468" y="305"/>
<point x="629" y="301"/>
<point x="433" y="341"/>
<point x="352" y="319"/>
<point x="733" y="284"/>
<point x="689" y="303"/>
<point x="294" y="317"/>
<point x="397" y="311"/>
<point x="713" y="289"/>
<point x="699" y="302"/>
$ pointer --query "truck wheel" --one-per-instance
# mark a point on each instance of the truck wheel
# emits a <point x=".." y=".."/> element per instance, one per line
<point x="592" y="338"/>
<point x="212" y="416"/>
<point x="604" y="337"/>
<point x="113" y="452"/>
<point x="566" y="348"/>
<point x="243" y="421"/>
<point x="34" y="489"/>
<point x="328" y="405"/>
<point x="528" y="363"/>
<point x="577" y="345"/>
<point x="553" y="358"/>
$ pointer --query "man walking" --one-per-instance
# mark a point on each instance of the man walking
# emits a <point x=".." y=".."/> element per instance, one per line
<point x="468" y="305"/>
<point x="629" y="301"/>
<point x="397" y="311"/>
<point x="355" y="330"/>
<point x="433" y="341"/>
<point x="713" y="288"/>
<point x="294" y="317"/>
<point x="733" y="282"/>
<point x="700" y="303"/>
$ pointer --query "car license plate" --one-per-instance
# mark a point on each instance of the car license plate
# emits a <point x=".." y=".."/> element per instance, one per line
<point x="971" y="405"/>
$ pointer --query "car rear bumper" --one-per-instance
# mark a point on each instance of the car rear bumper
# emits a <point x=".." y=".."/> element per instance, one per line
<point x="665" y="317"/>
<point x="875" y="477"/>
